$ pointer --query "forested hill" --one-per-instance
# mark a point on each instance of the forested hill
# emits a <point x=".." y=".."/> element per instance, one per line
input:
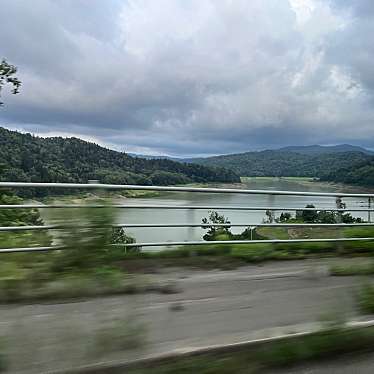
<point x="362" y="174"/>
<point x="284" y="163"/>
<point x="24" y="157"/>
<point x="321" y="149"/>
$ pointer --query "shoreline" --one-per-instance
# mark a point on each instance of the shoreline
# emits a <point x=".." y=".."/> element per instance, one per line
<point x="309" y="182"/>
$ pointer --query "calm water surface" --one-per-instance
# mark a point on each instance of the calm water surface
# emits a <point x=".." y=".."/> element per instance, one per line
<point x="246" y="217"/>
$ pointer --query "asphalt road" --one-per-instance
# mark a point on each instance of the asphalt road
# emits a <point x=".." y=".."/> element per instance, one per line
<point x="211" y="307"/>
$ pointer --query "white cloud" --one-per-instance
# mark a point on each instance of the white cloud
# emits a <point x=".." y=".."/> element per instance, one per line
<point x="192" y="76"/>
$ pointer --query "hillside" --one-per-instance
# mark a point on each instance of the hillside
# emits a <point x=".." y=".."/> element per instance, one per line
<point x="284" y="163"/>
<point x="362" y="174"/>
<point x="24" y="157"/>
<point x="315" y="150"/>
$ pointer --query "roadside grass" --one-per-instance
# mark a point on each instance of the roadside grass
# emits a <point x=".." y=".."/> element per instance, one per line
<point x="228" y="256"/>
<point x="325" y="344"/>
<point x="365" y="298"/>
<point x="273" y="232"/>
<point x="353" y="269"/>
<point x="89" y="266"/>
<point x="37" y="281"/>
<point x="32" y="276"/>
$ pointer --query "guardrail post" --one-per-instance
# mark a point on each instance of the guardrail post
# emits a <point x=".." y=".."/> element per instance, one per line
<point x="271" y="212"/>
<point x="369" y="207"/>
<point x="339" y="205"/>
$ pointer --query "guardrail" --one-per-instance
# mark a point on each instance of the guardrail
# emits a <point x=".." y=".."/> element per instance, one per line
<point x="339" y="207"/>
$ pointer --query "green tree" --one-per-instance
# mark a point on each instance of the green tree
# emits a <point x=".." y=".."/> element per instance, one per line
<point x="215" y="218"/>
<point x="309" y="216"/>
<point x="326" y="217"/>
<point x="7" y="77"/>
<point x="285" y="217"/>
<point x="120" y="237"/>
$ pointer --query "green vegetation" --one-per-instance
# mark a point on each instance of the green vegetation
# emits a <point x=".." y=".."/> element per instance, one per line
<point x="324" y="344"/>
<point x="7" y="77"/>
<point x="310" y="215"/>
<point x="365" y="298"/>
<point x="89" y="265"/>
<point x="283" y="163"/>
<point x="86" y="266"/>
<point x="361" y="174"/>
<point x="233" y="255"/>
<point x="353" y="269"/>
<point x="20" y="217"/>
<point x="27" y="158"/>
<point x="319" y="149"/>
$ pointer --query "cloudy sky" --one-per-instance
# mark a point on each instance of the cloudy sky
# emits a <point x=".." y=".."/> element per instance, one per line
<point x="192" y="77"/>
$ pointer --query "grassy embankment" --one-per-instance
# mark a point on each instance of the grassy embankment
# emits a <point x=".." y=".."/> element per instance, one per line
<point x="65" y="273"/>
<point x="89" y="267"/>
<point x="326" y="344"/>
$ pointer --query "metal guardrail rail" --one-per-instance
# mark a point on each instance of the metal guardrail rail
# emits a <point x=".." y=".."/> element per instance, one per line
<point x="97" y="186"/>
<point x="180" y="207"/>
<point x="177" y="189"/>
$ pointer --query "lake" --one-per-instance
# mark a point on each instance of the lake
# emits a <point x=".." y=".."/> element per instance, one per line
<point x="248" y="217"/>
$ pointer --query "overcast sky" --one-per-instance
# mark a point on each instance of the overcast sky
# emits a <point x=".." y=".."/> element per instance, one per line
<point x="192" y="77"/>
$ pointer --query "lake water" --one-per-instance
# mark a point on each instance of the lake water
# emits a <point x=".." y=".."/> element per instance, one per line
<point x="161" y="216"/>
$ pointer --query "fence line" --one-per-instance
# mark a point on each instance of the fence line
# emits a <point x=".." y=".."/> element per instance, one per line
<point x="202" y="225"/>
<point x="195" y="243"/>
<point x="96" y="186"/>
<point x="177" y="189"/>
<point x="266" y="241"/>
<point x="181" y="207"/>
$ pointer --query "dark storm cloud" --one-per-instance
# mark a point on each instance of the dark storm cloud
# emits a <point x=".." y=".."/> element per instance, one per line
<point x="192" y="77"/>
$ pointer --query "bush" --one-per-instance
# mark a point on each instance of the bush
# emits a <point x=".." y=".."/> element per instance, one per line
<point x="86" y="236"/>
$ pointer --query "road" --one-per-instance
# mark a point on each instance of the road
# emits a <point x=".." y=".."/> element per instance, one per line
<point x="211" y="307"/>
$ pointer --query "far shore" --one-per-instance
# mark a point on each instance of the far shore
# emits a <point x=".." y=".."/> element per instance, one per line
<point x="309" y="182"/>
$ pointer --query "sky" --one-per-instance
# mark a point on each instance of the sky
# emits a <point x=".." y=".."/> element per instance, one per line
<point x="192" y="77"/>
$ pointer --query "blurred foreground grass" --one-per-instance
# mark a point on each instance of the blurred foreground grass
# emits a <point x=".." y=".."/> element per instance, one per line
<point x="326" y="344"/>
<point x="90" y="266"/>
<point x="82" y="269"/>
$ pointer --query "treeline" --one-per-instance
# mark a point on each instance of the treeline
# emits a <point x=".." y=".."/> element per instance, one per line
<point x="361" y="174"/>
<point x="26" y="158"/>
<point x="279" y="163"/>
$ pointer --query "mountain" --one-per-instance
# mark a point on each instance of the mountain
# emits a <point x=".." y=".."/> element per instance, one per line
<point x="322" y="149"/>
<point x="285" y="163"/>
<point x="27" y="158"/>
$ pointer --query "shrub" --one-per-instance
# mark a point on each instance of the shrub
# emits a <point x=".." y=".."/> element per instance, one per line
<point x="86" y="236"/>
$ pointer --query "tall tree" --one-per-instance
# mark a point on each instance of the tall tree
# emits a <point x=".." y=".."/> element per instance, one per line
<point x="8" y="77"/>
